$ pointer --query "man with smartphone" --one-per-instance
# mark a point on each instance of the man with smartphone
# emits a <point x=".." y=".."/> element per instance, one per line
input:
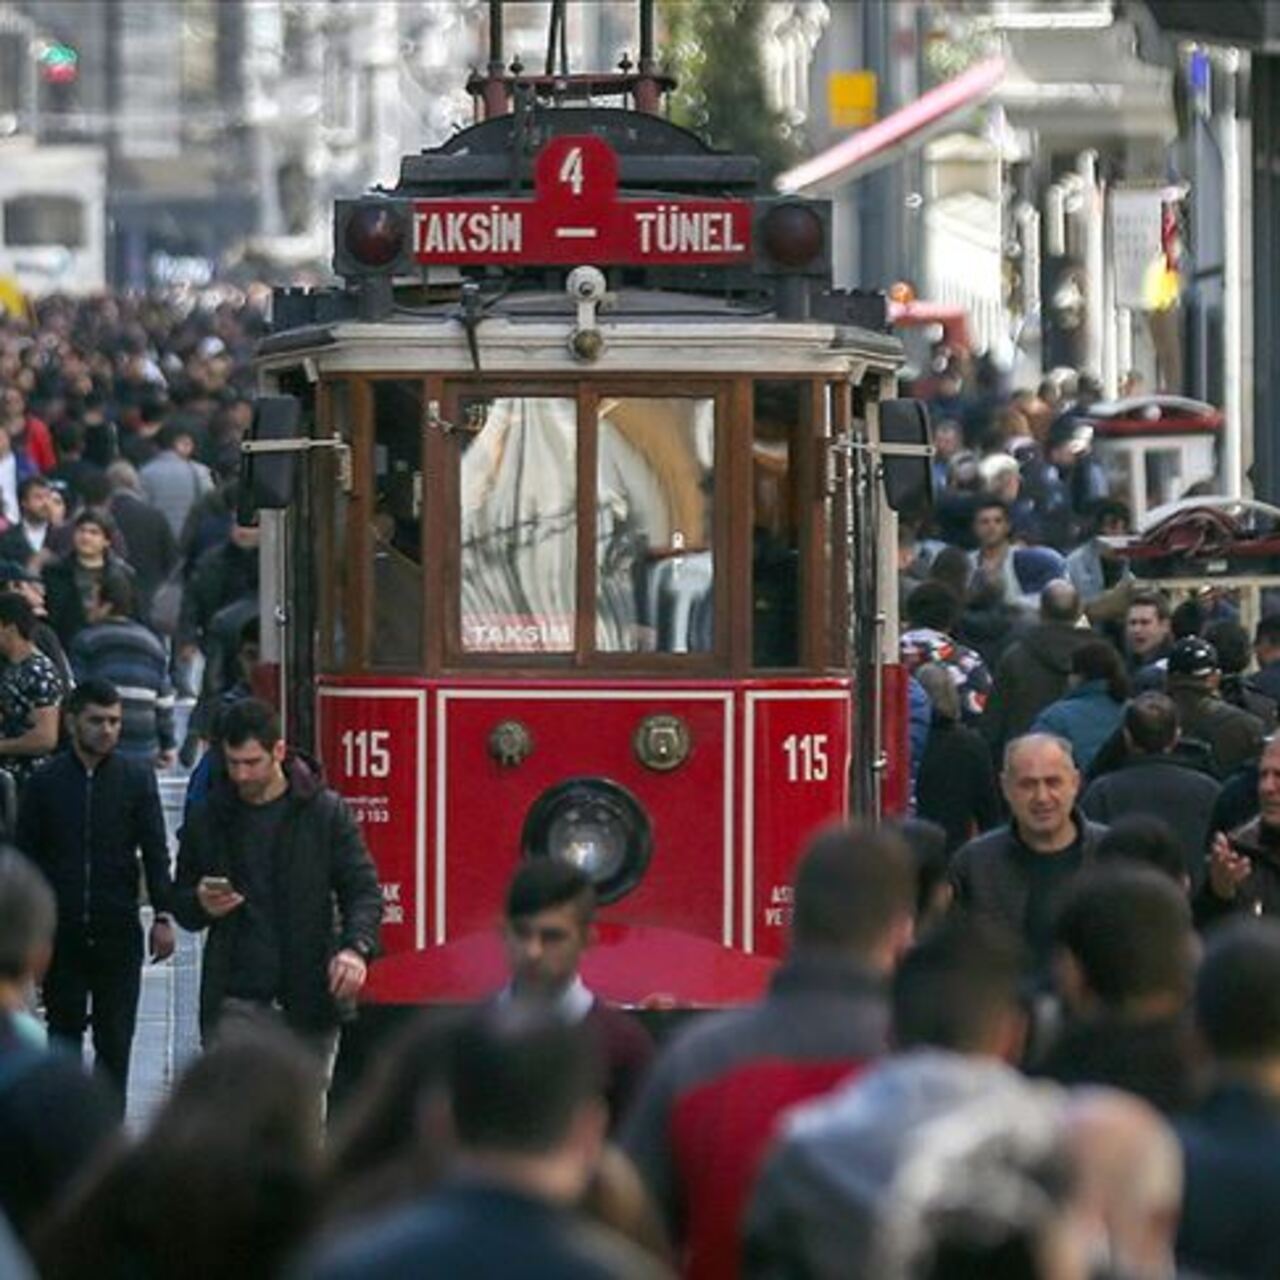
<point x="85" y="817"/>
<point x="265" y="858"/>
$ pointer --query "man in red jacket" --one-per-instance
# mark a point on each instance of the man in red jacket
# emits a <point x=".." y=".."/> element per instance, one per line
<point x="703" y="1122"/>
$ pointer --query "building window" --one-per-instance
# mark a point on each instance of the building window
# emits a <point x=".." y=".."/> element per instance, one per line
<point x="32" y="221"/>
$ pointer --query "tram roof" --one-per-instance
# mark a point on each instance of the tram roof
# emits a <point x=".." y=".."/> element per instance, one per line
<point x="633" y="321"/>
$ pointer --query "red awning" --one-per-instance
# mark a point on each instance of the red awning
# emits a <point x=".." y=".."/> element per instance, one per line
<point x="883" y="141"/>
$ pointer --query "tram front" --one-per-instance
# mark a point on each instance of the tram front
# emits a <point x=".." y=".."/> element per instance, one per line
<point x="577" y="545"/>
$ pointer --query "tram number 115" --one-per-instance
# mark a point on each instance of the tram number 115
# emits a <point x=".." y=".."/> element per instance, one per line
<point x="806" y="756"/>
<point x="366" y="753"/>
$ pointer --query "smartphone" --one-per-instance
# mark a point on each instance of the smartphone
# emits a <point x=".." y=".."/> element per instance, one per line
<point x="218" y="884"/>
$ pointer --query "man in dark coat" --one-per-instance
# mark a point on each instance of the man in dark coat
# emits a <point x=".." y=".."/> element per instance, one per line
<point x="1016" y="874"/>
<point x="1244" y="864"/>
<point x="1231" y="1141"/>
<point x="530" y="1128"/>
<point x="1153" y="780"/>
<point x="1266" y="648"/>
<point x="84" y="819"/>
<point x="53" y="1118"/>
<point x="1231" y="734"/>
<point x="1123" y="967"/>
<point x="262" y="865"/>
<point x="1033" y="671"/>
<point x="153" y="550"/>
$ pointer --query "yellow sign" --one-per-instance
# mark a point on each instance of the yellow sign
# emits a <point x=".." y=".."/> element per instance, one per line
<point x="852" y="98"/>
<point x="12" y="299"/>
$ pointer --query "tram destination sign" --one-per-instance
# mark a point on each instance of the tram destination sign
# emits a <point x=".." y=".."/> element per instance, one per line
<point x="576" y="216"/>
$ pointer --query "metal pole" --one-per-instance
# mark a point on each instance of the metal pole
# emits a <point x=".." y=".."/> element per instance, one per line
<point x="495" y="89"/>
<point x="1234" y="301"/>
<point x="647" y="94"/>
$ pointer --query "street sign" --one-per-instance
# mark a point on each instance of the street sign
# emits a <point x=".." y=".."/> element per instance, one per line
<point x="575" y="216"/>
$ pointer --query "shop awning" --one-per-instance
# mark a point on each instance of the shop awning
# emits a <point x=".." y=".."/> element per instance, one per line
<point x="882" y="142"/>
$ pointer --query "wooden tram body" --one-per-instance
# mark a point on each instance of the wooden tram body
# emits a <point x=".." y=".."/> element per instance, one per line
<point x="578" y="545"/>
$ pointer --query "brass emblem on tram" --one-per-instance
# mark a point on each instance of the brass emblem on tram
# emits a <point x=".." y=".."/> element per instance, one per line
<point x="510" y="743"/>
<point x="661" y="742"/>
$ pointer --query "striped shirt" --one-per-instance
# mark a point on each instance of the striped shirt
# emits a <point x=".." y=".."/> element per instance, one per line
<point x="134" y="660"/>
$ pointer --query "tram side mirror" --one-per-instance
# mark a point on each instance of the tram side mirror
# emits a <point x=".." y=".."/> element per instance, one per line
<point x="267" y="479"/>
<point x="908" y="475"/>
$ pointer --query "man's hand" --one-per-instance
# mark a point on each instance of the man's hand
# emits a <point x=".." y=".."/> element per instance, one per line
<point x="1228" y="870"/>
<point x="161" y="940"/>
<point x="347" y="973"/>
<point x="217" y="897"/>
<point x="166" y="759"/>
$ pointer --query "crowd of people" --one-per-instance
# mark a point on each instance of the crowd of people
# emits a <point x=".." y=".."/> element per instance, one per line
<point x="1030" y="1031"/>
<point x="120" y="425"/>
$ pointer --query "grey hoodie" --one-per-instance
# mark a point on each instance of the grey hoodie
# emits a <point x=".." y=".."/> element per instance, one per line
<point x="824" y="1190"/>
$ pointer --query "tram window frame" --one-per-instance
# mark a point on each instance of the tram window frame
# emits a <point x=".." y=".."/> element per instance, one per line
<point x="585" y="658"/>
<point x="339" y="593"/>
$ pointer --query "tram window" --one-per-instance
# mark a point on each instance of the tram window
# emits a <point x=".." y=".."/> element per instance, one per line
<point x="396" y="542"/>
<point x="1162" y="470"/>
<point x="654" y="559"/>
<point x="519" y="524"/>
<point x="775" y="524"/>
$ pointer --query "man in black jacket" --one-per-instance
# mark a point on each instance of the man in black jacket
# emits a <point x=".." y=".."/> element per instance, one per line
<point x="1153" y="780"/>
<point x="1016" y="874"/>
<point x="83" y="820"/>
<point x="262" y="863"/>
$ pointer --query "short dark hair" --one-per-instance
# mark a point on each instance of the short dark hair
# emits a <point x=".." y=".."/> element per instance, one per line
<point x="30" y="483"/>
<point x="1098" y="660"/>
<point x="28" y="913"/>
<point x="1268" y="631"/>
<point x="96" y="692"/>
<point x="1145" y="840"/>
<point x="173" y="431"/>
<point x="518" y="1074"/>
<point x="928" y="844"/>
<point x="986" y="503"/>
<point x="542" y="883"/>
<point x="95" y="516"/>
<point x="851" y="885"/>
<point x="1237" y="1001"/>
<point x="952" y="985"/>
<point x="1187" y="619"/>
<point x="116" y="592"/>
<point x="1129" y="929"/>
<point x="16" y="612"/>
<point x="1156" y="600"/>
<point x="933" y="604"/>
<point x="1109" y="509"/>
<point x="249" y="720"/>
<point x="1151" y="721"/>
<point x="1232" y="643"/>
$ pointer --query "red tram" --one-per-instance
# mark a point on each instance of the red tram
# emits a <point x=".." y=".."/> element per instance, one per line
<point x="578" y="538"/>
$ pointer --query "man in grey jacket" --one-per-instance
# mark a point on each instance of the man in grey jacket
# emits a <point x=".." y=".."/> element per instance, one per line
<point x="173" y="480"/>
<point x="821" y="1198"/>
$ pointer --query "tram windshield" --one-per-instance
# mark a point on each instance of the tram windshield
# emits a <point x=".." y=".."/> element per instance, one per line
<point x="519" y="514"/>
<point x="654" y="556"/>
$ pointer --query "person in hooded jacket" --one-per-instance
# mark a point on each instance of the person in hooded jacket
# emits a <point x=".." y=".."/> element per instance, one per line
<point x="1035" y="669"/>
<point x="1091" y="709"/>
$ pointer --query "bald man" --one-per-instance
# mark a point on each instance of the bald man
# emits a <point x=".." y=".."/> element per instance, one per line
<point x="1128" y="1168"/>
<point x="1016" y="873"/>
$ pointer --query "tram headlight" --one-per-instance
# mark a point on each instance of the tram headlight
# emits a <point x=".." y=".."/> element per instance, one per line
<point x="596" y="826"/>
<point x="792" y="237"/>
<point x="374" y="234"/>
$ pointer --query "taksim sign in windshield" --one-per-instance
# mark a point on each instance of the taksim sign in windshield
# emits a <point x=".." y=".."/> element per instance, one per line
<point x="576" y="216"/>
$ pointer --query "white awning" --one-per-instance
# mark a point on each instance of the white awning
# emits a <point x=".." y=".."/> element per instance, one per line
<point x="884" y="141"/>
